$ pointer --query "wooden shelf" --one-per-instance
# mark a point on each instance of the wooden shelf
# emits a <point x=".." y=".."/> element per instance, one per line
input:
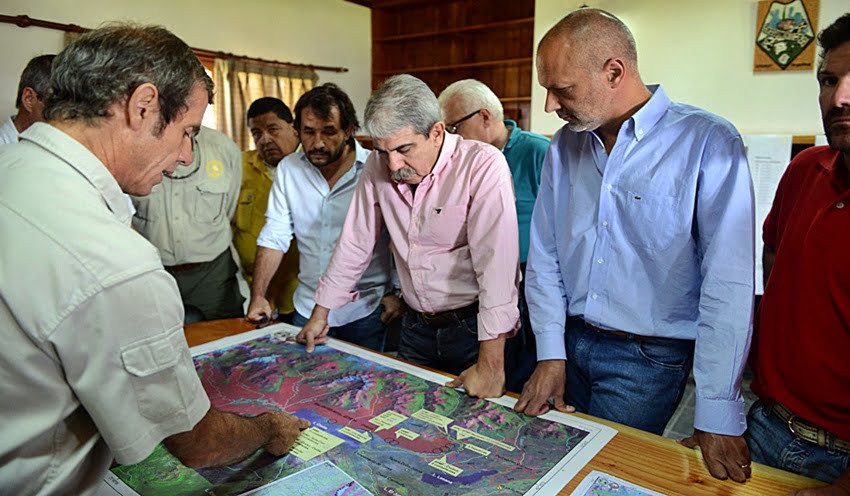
<point x="515" y="99"/>
<point x="468" y="65"/>
<point x="465" y="29"/>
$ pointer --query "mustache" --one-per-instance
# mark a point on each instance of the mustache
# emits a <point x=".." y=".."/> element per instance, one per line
<point x="404" y="174"/>
<point x="837" y="113"/>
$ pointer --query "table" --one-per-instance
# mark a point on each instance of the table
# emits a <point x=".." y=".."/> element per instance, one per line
<point x="652" y="461"/>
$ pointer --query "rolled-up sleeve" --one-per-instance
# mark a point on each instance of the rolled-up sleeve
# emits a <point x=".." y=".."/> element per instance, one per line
<point x="493" y="237"/>
<point x="544" y="285"/>
<point x="726" y="233"/>
<point x="130" y="366"/>
<point x="278" y="230"/>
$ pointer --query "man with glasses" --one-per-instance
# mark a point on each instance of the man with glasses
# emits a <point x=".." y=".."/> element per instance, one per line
<point x="187" y="218"/>
<point x="473" y="111"/>
<point x="448" y="205"/>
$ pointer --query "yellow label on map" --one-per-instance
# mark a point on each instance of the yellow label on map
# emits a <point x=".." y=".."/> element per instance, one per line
<point x="434" y="419"/>
<point x="355" y="434"/>
<point x="442" y="465"/>
<point x="407" y="434"/>
<point x="387" y="419"/>
<point x="466" y="433"/>
<point x="313" y="442"/>
<point x="477" y="449"/>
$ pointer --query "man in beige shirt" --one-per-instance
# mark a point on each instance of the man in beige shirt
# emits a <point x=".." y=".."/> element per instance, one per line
<point x="188" y="218"/>
<point x="94" y="362"/>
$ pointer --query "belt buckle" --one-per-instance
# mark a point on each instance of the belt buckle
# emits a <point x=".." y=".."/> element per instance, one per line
<point x="790" y="423"/>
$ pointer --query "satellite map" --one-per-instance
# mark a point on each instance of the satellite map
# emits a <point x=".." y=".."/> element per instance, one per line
<point x="383" y="430"/>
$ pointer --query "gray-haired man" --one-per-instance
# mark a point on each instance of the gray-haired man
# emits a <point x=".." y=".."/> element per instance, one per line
<point x="448" y="205"/>
<point x="95" y="364"/>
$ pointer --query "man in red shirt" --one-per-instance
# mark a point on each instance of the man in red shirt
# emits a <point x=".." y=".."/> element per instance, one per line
<point x="801" y="422"/>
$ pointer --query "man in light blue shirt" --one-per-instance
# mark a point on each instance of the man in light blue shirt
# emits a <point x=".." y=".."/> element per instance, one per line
<point x="641" y="248"/>
<point x="309" y="200"/>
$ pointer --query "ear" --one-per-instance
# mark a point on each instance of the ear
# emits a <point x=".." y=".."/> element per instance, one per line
<point x="487" y="117"/>
<point x="28" y="98"/>
<point x="437" y="131"/>
<point x="143" y="106"/>
<point x="615" y="70"/>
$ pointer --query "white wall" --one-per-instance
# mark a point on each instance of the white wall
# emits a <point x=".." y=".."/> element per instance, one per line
<point x="702" y="52"/>
<point x="321" y="32"/>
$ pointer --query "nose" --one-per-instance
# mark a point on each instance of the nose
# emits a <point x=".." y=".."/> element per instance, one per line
<point x="842" y="92"/>
<point x="395" y="161"/>
<point x="262" y="139"/>
<point x="184" y="154"/>
<point x="551" y="104"/>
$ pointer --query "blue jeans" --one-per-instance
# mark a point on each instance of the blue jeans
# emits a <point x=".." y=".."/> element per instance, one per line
<point x="453" y="348"/>
<point x="634" y="382"/>
<point x="368" y="332"/>
<point x="772" y="443"/>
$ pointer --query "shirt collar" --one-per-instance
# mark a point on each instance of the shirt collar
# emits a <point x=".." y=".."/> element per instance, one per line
<point x="830" y="164"/>
<point x="648" y="116"/>
<point x="83" y="161"/>
<point x="514" y="134"/>
<point x="450" y="142"/>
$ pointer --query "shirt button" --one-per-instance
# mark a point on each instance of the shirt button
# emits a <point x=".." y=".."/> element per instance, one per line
<point x="609" y="187"/>
<point x="594" y="296"/>
<point x="600" y="260"/>
<point x="839" y="205"/>
<point x="604" y="223"/>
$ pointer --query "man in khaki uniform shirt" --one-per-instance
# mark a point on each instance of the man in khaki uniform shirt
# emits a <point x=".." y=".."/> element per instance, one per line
<point x="188" y="218"/>
<point x="94" y="364"/>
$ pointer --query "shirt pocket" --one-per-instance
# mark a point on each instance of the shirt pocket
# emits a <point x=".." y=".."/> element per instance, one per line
<point x="159" y="368"/>
<point x="211" y="199"/>
<point x="245" y="209"/>
<point x="651" y="220"/>
<point x="446" y="226"/>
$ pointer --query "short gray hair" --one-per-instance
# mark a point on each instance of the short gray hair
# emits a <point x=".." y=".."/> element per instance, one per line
<point x="472" y="95"/>
<point x="103" y="67"/>
<point x="403" y="101"/>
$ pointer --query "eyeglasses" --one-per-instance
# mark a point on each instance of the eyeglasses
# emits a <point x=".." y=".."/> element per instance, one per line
<point x="452" y="128"/>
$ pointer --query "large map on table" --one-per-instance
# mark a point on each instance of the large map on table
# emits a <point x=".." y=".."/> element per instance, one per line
<point x="392" y="432"/>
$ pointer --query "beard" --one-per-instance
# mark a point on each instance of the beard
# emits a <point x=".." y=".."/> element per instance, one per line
<point x="324" y="158"/>
<point x="838" y="136"/>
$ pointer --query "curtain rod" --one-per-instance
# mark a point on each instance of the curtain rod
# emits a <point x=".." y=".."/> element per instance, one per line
<point x="26" y="21"/>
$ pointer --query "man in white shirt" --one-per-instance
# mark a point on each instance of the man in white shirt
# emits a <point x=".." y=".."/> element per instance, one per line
<point x="33" y="88"/>
<point x="94" y="362"/>
<point x="309" y="200"/>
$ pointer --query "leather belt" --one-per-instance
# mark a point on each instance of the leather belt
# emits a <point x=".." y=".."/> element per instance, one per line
<point x="609" y="332"/>
<point x="183" y="267"/>
<point x="448" y="318"/>
<point x="807" y="431"/>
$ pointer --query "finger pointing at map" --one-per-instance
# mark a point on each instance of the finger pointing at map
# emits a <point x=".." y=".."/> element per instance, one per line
<point x="315" y="331"/>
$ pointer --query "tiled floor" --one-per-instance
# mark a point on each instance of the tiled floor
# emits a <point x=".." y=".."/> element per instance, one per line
<point x="681" y="425"/>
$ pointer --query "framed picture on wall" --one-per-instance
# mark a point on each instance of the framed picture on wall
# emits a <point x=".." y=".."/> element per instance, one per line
<point x="785" y="35"/>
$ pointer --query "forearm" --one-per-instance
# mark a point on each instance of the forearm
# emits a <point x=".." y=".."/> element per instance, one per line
<point x="219" y="439"/>
<point x="491" y="353"/>
<point x="320" y="313"/>
<point x="265" y="267"/>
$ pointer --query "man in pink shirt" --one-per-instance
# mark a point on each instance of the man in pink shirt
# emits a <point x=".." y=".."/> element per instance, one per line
<point x="448" y="204"/>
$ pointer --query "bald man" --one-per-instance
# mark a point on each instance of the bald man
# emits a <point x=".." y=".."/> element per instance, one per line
<point x="641" y="258"/>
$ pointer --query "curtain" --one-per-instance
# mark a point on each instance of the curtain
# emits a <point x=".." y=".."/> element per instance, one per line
<point x="239" y="83"/>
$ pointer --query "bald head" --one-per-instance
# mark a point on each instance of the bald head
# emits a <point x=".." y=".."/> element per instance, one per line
<point x="593" y="36"/>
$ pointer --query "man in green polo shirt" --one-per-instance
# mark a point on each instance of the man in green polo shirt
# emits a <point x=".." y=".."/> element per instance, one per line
<point x="473" y="111"/>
